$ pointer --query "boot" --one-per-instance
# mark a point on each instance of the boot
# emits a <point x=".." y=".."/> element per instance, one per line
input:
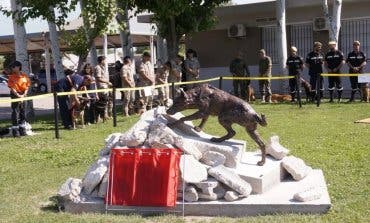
<point x="269" y="99"/>
<point x="263" y="99"/>
<point x="331" y="96"/>
<point x="352" y="96"/>
<point x="15" y="131"/>
<point x="339" y="96"/>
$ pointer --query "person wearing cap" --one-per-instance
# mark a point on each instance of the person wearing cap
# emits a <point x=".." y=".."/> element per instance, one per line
<point x="146" y="77"/>
<point x="295" y="67"/>
<point x="162" y="78"/>
<point x="356" y="61"/>
<point x="334" y="61"/>
<point x="102" y="82"/>
<point x="265" y="65"/>
<point x="191" y="65"/>
<point x="238" y="68"/>
<point x="314" y="62"/>
<point x="176" y="72"/>
<point x="72" y="82"/>
<point x="128" y="81"/>
<point x="18" y="84"/>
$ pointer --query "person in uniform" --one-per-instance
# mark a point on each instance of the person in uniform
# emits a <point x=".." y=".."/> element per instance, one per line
<point x="146" y="78"/>
<point x="265" y="65"/>
<point x="127" y="78"/>
<point x="295" y="67"/>
<point x="334" y="61"/>
<point x="314" y="62"/>
<point x="162" y="78"/>
<point x="238" y="68"/>
<point x="102" y="82"/>
<point x="191" y="65"/>
<point x="18" y="84"/>
<point x="356" y="61"/>
<point x="176" y="72"/>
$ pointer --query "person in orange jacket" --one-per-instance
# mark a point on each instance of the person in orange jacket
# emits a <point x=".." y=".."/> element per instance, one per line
<point x="18" y="84"/>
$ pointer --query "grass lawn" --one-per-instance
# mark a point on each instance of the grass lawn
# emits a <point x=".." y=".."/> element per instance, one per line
<point x="33" y="168"/>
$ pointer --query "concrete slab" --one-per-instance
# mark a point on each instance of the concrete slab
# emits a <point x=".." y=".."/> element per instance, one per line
<point x="275" y="201"/>
<point x="261" y="178"/>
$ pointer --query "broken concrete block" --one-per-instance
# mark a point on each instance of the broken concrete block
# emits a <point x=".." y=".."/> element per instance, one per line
<point x="103" y="185"/>
<point x="95" y="174"/>
<point x="213" y="158"/>
<point x="208" y="197"/>
<point x="231" y="196"/>
<point x="189" y="147"/>
<point x="275" y="149"/>
<point x="159" y="132"/>
<point x="296" y="167"/>
<point x="186" y="127"/>
<point x="313" y="193"/>
<point x="231" y="179"/>
<point x="193" y="171"/>
<point x="207" y="186"/>
<point x="219" y="191"/>
<point x="110" y="142"/>
<point x="71" y="190"/>
<point x="191" y="194"/>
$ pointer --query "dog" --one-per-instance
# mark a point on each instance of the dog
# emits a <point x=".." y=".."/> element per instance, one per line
<point x="250" y="94"/>
<point x="77" y="112"/>
<point x="100" y="107"/>
<point x="365" y="93"/>
<point x="275" y="98"/>
<point x="138" y="107"/>
<point x="307" y="88"/>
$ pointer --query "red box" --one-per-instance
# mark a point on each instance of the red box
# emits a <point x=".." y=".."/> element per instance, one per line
<point x="143" y="177"/>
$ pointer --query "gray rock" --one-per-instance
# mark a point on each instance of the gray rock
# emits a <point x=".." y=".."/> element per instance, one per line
<point x="296" y="167"/>
<point x="208" y="197"/>
<point x="231" y="179"/>
<point x="110" y="142"/>
<point x="194" y="171"/>
<point x="313" y="193"/>
<point x="191" y="194"/>
<point x="186" y="128"/>
<point x="103" y="187"/>
<point x="95" y="174"/>
<point x="231" y="196"/>
<point x="71" y="190"/>
<point x="275" y="149"/>
<point x="219" y="191"/>
<point x="213" y="158"/>
<point x="207" y="186"/>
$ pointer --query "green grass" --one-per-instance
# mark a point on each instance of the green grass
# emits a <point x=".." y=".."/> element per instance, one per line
<point x="33" y="168"/>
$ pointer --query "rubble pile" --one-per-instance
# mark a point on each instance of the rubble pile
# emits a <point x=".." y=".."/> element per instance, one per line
<point x="209" y="171"/>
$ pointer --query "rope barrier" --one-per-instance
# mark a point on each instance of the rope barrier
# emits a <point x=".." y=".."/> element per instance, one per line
<point x="26" y="98"/>
<point x="257" y="78"/>
<point x="344" y="75"/>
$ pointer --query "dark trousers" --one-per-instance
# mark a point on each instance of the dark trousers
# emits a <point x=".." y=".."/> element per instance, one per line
<point x="293" y="86"/>
<point x="18" y="112"/>
<point x="335" y="82"/>
<point x="64" y="111"/>
<point x="354" y="83"/>
<point x="89" y="114"/>
<point x="317" y="81"/>
<point x="240" y="88"/>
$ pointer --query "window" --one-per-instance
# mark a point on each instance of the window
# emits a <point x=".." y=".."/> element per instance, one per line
<point x="352" y="30"/>
<point x="301" y="37"/>
<point x="269" y="42"/>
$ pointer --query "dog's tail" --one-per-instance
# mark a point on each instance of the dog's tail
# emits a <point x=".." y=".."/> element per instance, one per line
<point x="261" y="119"/>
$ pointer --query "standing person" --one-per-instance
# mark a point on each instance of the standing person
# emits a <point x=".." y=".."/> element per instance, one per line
<point x="18" y="84"/>
<point x="70" y="83"/>
<point x="334" y="61"/>
<point x="162" y="78"/>
<point x="128" y="81"/>
<point x="314" y="62"/>
<point x="295" y="67"/>
<point x="192" y="67"/>
<point x="175" y="73"/>
<point x="265" y="65"/>
<point x="93" y="97"/>
<point x="102" y="82"/>
<point x="238" y="68"/>
<point x="356" y="61"/>
<point x="146" y="78"/>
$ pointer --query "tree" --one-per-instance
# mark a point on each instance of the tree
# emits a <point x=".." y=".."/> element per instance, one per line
<point x="174" y="18"/>
<point x="334" y="20"/>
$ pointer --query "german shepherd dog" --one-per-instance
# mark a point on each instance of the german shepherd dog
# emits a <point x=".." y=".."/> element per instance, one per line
<point x="78" y="112"/>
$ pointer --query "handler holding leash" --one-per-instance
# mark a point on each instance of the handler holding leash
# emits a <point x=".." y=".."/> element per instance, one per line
<point x="314" y="61"/>
<point x="18" y="84"/>
<point x="295" y="67"/>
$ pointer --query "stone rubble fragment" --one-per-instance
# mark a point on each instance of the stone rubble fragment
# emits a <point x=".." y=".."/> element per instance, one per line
<point x="207" y="186"/>
<point x="231" y="179"/>
<point x="193" y="171"/>
<point x="296" y="167"/>
<point x="191" y="194"/>
<point x="208" y="197"/>
<point x="71" y="190"/>
<point x="213" y="158"/>
<point x="313" y="193"/>
<point x="110" y="142"/>
<point x="275" y="149"/>
<point x="103" y="185"/>
<point x="231" y="196"/>
<point x="95" y="174"/>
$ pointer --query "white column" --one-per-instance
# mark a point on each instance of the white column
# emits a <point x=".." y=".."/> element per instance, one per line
<point x="151" y="45"/>
<point x="281" y="37"/>
<point x="105" y="50"/>
<point x="47" y="62"/>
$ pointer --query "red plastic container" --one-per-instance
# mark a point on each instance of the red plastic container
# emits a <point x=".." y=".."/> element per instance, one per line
<point x="143" y="177"/>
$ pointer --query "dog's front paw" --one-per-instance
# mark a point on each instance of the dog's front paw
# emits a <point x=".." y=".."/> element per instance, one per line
<point x="261" y="163"/>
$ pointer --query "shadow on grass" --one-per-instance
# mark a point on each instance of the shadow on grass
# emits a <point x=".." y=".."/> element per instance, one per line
<point x="54" y="206"/>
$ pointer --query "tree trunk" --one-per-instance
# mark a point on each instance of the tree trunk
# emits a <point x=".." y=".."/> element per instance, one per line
<point x="105" y="50"/>
<point x="125" y="34"/>
<point x="21" y="53"/>
<point x="55" y="50"/>
<point x="162" y="49"/>
<point x="93" y="55"/>
<point x="333" y="21"/>
<point x="172" y="41"/>
<point x="281" y="37"/>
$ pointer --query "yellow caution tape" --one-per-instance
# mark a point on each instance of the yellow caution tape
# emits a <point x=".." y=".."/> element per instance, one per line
<point x="83" y="92"/>
<point x="26" y="98"/>
<point x="197" y="82"/>
<point x="343" y="75"/>
<point x="257" y="78"/>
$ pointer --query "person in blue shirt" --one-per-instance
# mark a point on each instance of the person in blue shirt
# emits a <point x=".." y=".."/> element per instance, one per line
<point x="72" y="82"/>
